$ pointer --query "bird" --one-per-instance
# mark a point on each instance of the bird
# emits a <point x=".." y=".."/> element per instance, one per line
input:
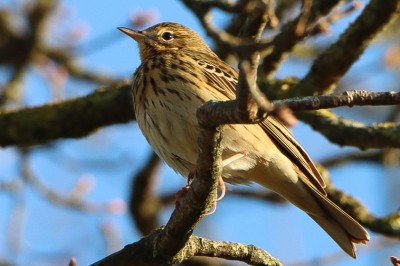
<point x="179" y="73"/>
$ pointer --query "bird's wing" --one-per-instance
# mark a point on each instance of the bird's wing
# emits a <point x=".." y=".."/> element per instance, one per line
<point x="218" y="72"/>
<point x="282" y="135"/>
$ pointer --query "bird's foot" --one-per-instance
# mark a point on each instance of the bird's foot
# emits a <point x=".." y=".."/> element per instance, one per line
<point x="182" y="193"/>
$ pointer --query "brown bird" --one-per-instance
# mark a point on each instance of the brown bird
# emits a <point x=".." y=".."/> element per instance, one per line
<point x="178" y="74"/>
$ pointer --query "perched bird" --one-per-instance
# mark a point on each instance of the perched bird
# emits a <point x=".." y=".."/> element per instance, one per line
<point x="178" y="74"/>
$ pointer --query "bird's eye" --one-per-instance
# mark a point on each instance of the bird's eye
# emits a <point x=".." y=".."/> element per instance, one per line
<point x="167" y="36"/>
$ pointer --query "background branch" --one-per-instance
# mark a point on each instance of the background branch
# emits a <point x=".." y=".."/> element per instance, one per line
<point x="333" y="63"/>
<point x="346" y="132"/>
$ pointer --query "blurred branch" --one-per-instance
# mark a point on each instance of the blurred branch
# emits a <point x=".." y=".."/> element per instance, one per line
<point x="323" y="25"/>
<point x="202" y="10"/>
<point x="389" y="157"/>
<point x="11" y="92"/>
<point x="389" y="226"/>
<point x="17" y="221"/>
<point x="73" y="200"/>
<point x="144" y="204"/>
<point x="332" y="64"/>
<point x="20" y="51"/>
<point x="226" y="40"/>
<point x="374" y="156"/>
<point x="66" y="58"/>
<point x="345" y="132"/>
<point x="113" y="236"/>
<point x="223" y="50"/>
<point x="73" y="118"/>
<point x="10" y="186"/>
<point x="303" y="18"/>
<point x="289" y="37"/>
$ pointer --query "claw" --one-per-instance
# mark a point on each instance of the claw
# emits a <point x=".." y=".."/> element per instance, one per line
<point x="222" y="187"/>
<point x="213" y="208"/>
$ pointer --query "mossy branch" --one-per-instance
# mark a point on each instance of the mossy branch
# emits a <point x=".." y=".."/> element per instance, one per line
<point x="73" y="118"/>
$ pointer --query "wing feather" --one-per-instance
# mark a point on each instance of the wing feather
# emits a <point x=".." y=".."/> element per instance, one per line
<point x="226" y="77"/>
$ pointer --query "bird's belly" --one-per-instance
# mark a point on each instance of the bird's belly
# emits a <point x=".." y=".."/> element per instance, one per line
<point x="171" y="130"/>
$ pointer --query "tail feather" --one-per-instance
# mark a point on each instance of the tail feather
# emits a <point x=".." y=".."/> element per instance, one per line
<point x="337" y="233"/>
<point x="343" y="229"/>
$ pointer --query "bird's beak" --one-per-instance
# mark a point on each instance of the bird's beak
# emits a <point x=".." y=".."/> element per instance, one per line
<point x="134" y="34"/>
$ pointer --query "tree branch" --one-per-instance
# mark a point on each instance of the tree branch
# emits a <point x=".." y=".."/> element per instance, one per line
<point x="333" y="63"/>
<point x="388" y="226"/>
<point x="288" y="38"/>
<point x="135" y="254"/>
<point x="73" y="118"/>
<point x="347" y="98"/>
<point x="345" y="132"/>
<point x="387" y="157"/>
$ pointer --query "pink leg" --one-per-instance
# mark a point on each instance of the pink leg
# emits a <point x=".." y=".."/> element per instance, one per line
<point x="181" y="193"/>
<point x="225" y="162"/>
<point x="233" y="158"/>
<point x="213" y="208"/>
<point x="222" y="187"/>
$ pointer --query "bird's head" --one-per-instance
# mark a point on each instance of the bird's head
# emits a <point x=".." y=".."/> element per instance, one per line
<point x="166" y="36"/>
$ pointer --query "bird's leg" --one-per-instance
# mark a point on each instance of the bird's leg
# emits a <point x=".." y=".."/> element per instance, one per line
<point x="222" y="186"/>
<point x="181" y="193"/>
<point x="225" y="162"/>
<point x="233" y="158"/>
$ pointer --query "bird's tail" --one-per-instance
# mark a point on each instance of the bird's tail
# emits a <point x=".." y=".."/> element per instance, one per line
<point x="343" y="229"/>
